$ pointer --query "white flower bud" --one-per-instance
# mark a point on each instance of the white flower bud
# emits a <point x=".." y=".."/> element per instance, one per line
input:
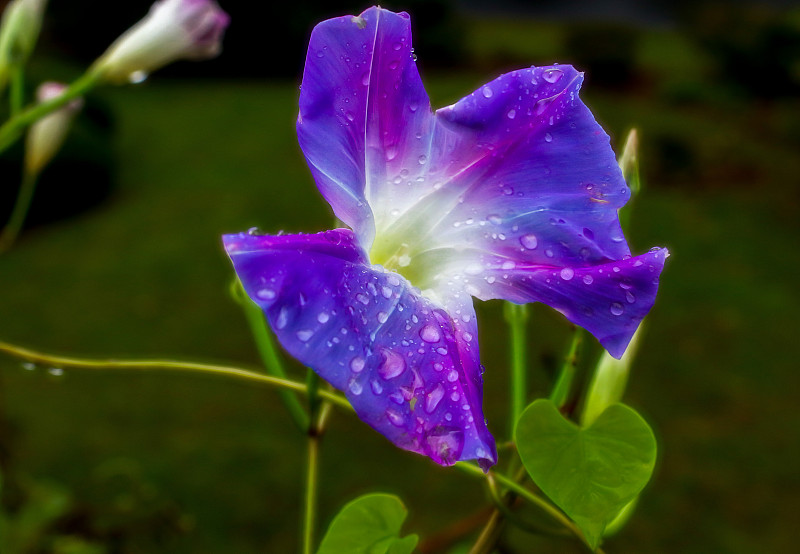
<point x="172" y="30"/>
<point x="46" y="136"/>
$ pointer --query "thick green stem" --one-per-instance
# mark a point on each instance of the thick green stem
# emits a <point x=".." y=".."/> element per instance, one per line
<point x="563" y="387"/>
<point x="269" y="354"/>
<point x="12" y="129"/>
<point x="14" y="225"/>
<point x="517" y="316"/>
<point x="235" y="373"/>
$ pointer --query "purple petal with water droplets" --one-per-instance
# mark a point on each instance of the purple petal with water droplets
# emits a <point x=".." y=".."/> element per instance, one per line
<point x="400" y="359"/>
<point x="608" y="300"/>
<point x="362" y="105"/>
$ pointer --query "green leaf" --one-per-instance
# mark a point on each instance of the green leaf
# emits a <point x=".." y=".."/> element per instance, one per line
<point x="593" y="472"/>
<point x="370" y="524"/>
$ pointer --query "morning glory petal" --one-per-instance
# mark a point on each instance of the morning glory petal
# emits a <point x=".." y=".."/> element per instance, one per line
<point x="363" y="113"/>
<point x="402" y="361"/>
<point x="609" y="300"/>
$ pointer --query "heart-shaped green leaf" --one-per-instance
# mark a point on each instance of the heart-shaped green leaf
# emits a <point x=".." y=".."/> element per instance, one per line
<point x="370" y="524"/>
<point x="591" y="473"/>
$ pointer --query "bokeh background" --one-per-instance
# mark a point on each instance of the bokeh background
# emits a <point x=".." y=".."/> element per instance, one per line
<point x="122" y="257"/>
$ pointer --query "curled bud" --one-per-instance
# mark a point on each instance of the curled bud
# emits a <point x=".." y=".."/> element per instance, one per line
<point x="172" y="30"/>
<point x="46" y="136"/>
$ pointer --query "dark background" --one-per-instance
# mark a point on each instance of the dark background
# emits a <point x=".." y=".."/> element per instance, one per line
<point x="122" y="257"/>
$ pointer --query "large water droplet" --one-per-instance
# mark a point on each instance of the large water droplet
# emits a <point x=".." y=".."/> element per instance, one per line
<point x="363" y="298"/>
<point x="553" y="75"/>
<point x="548" y="137"/>
<point x="429" y="333"/>
<point x="304" y="335"/>
<point x="323" y="317"/>
<point x="357" y="364"/>
<point x="511" y="114"/>
<point x="433" y="398"/>
<point x="617" y="308"/>
<point x="487" y="92"/>
<point x="567" y="273"/>
<point x="422" y="159"/>
<point x="529" y="241"/>
<point x="392" y="365"/>
<point x="445" y="447"/>
<point x="588" y="279"/>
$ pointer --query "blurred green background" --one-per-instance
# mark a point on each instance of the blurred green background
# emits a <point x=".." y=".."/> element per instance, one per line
<point x="123" y="258"/>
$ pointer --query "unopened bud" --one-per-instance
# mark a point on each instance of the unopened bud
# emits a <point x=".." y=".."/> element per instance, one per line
<point x="46" y="136"/>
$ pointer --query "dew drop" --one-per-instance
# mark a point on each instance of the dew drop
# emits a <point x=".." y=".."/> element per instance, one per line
<point x="357" y="364"/>
<point x="323" y="317"/>
<point x="397" y="46"/>
<point x="265" y="294"/>
<point x="365" y="79"/>
<point x="55" y="371"/>
<point x="630" y="297"/>
<point x="588" y="279"/>
<point x="429" y="333"/>
<point x="511" y="114"/>
<point x="433" y="398"/>
<point x="548" y="137"/>
<point x="392" y="365"/>
<point x="467" y="337"/>
<point x="487" y="92"/>
<point x="382" y="317"/>
<point x="363" y="298"/>
<point x="494" y="219"/>
<point x="617" y="308"/>
<point x="304" y="335"/>
<point x="553" y="75"/>
<point x="452" y="376"/>
<point x="282" y="319"/>
<point x="137" y="77"/>
<point x="386" y="292"/>
<point x="396" y="418"/>
<point x="377" y="388"/>
<point x="422" y="159"/>
<point x="391" y="153"/>
<point x="567" y="273"/>
<point x="356" y="388"/>
<point x="508" y="191"/>
<point x="529" y="241"/>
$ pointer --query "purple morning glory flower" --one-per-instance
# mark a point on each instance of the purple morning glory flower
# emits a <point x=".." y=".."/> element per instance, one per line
<point x="510" y="193"/>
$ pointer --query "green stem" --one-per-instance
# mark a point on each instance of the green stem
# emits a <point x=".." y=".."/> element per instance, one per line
<point x="14" y="225"/>
<point x="310" y="504"/>
<point x="269" y="354"/>
<point x="234" y="373"/>
<point x="16" y="94"/>
<point x="541" y="503"/>
<point x="563" y="387"/>
<point x="12" y="129"/>
<point x="517" y="316"/>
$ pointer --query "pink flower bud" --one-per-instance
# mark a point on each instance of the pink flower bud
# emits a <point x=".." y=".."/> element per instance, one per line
<point x="172" y="30"/>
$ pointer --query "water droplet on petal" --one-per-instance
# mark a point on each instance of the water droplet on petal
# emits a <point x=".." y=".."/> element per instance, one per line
<point x="363" y="298"/>
<point x="392" y="365"/>
<point x="396" y="418"/>
<point x="391" y="153"/>
<point x="365" y="79"/>
<point x="356" y="388"/>
<point x="452" y="376"/>
<point x="422" y="159"/>
<point x="265" y="294"/>
<point x="304" y="335"/>
<point x="323" y="317"/>
<point x="588" y="279"/>
<point x="553" y="75"/>
<point x="429" y="333"/>
<point x="397" y="46"/>
<point x="487" y="92"/>
<point x="467" y="336"/>
<point x="511" y="114"/>
<point x="382" y="317"/>
<point x="567" y="273"/>
<point x="282" y="319"/>
<point x="630" y="297"/>
<point x="529" y="241"/>
<point x="617" y="308"/>
<point x="548" y="137"/>
<point x="508" y="191"/>
<point x="377" y="388"/>
<point x="433" y="398"/>
<point x="357" y="364"/>
<point x="445" y="447"/>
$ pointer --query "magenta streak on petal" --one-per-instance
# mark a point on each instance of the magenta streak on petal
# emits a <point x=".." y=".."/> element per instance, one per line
<point x="394" y="353"/>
